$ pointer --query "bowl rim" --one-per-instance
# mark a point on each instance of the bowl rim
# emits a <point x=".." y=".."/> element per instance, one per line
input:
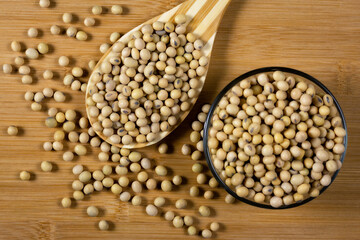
<point x="220" y="96"/>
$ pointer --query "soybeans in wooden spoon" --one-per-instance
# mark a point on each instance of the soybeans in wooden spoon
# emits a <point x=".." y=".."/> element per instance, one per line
<point x="147" y="82"/>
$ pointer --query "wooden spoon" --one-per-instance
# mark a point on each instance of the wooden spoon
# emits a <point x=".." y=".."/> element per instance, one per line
<point x="204" y="18"/>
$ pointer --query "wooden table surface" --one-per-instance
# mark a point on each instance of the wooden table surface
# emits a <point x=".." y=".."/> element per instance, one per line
<point x="321" y="38"/>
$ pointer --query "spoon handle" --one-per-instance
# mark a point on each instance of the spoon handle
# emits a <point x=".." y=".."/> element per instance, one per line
<point x="206" y="16"/>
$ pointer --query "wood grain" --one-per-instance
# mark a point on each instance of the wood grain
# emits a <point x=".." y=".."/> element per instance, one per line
<point x="317" y="37"/>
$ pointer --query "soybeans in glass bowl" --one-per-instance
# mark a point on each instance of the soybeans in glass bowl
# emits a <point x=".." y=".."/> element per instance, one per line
<point x="275" y="138"/>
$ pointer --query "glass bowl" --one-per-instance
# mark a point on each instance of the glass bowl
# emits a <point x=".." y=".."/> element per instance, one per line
<point x="288" y="71"/>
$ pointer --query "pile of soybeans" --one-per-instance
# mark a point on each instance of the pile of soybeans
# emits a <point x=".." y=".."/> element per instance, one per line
<point x="145" y="87"/>
<point x="276" y="138"/>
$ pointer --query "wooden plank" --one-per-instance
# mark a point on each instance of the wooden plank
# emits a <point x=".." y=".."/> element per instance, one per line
<point x="318" y="37"/>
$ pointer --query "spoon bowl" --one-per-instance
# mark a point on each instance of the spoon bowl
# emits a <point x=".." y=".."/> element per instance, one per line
<point x="203" y="19"/>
